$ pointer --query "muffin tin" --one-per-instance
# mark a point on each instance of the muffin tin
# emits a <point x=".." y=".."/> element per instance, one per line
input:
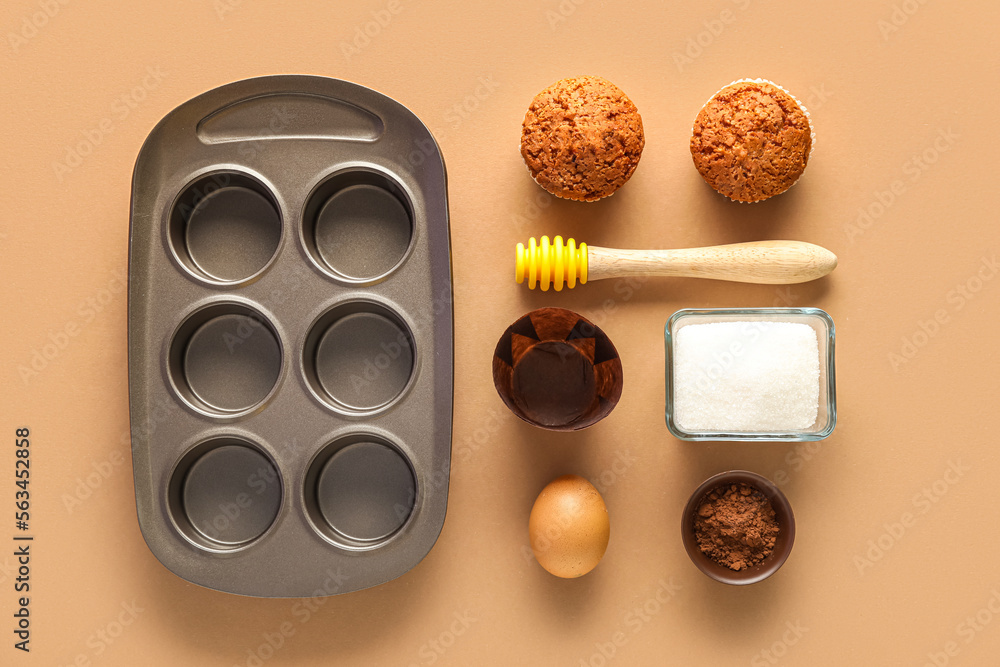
<point x="290" y="338"/>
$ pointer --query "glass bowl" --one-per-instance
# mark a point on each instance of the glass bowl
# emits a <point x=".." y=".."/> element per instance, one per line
<point x="821" y="323"/>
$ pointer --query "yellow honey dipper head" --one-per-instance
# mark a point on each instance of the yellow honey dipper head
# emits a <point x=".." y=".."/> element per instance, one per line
<point x="554" y="263"/>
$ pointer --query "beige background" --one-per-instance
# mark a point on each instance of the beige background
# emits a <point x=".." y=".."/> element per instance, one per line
<point x="903" y="99"/>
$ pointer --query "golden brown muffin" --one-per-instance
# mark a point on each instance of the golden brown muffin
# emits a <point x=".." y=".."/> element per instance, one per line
<point x="751" y="141"/>
<point x="582" y="138"/>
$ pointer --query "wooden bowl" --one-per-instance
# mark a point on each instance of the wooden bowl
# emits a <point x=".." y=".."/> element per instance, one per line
<point x="557" y="370"/>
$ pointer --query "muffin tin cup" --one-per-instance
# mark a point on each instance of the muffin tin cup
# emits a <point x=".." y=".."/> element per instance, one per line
<point x="783" y="542"/>
<point x="225" y="359"/>
<point x="290" y="308"/>
<point x="357" y="226"/>
<point x="360" y="490"/>
<point x="358" y="357"/>
<point x="210" y="213"/>
<point x="224" y="494"/>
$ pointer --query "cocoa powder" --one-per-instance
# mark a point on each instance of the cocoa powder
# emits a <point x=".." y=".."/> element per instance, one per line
<point x="735" y="526"/>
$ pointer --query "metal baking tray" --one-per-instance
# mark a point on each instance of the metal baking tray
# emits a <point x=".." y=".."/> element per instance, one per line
<point x="290" y="338"/>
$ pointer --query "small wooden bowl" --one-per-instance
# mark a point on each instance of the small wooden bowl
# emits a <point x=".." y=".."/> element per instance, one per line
<point x="557" y="370"/>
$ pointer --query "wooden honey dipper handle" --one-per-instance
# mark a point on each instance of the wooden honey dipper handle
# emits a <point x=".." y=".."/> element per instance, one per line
<point x="765" y="262"/>
<point x="557" y="263"/>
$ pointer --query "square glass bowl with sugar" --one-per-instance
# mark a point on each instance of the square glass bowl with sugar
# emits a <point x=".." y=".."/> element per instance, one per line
<point x="750" y="374"/>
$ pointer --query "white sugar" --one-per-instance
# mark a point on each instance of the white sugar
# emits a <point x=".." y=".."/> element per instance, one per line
<point x="746" y="376"/>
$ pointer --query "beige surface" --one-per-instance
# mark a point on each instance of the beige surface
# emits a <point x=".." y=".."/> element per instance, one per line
<point x="880" y="100"/>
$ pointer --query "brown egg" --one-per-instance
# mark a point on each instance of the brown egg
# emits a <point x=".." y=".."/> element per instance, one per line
<point x="569" y="527"/>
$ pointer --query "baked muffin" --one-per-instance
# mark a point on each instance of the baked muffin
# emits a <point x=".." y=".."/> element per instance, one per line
<point x="752" y="140"/>
<point x="582" y="138"/>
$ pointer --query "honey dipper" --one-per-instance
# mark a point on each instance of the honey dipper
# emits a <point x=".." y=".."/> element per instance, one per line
<point x="768" y="262"/>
